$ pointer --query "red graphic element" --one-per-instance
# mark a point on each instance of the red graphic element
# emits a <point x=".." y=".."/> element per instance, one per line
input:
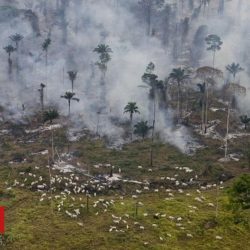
<point x="1" y="220"/>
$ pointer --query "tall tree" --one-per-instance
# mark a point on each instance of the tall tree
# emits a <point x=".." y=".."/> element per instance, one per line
<point x="153" y="83"/>
<point x="50" y="115"/>
<point x="103" y="51"/>
<point x="227" y="131"/>
<point x="205" y="4"/>
<point x="245" y="120"/>
<point x="148" y="7"/>
<point x="41" y="91"/>
<point x="132" y="109"/>
<point x="69" y="96"/>
<point x="16" y="38"/>
<point x="45" y="47"/>
<point x="234" y="69"/>
<point x="202" y="89"/>
<point x="9" y="50"/>
<point x="209" y="76"/>
<point x="179" y="76"/>
<point x="72" y="77"/>
<point x="214" y="44"/>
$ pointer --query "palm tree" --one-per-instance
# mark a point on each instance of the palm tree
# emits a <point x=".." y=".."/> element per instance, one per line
<point x="202" y="89"/>
<point x="214" y="44"/>
<point x="9" y="50"/>
<point x="45" y="47"/>
<point x="42" y="86"/>
<point x="154" y="84"/>
<point x="16" y="39"/>
<point x="245" y="120"/>
<point x="131" y="108"/>
<point x="142" y="129"/>
<point x="69" y="96"/>
<point x="50" y="115"/>
<point x="72" y="77"/>
<point x="179" y="76"/>
<point x="234" y="69"/>
<point x="103" y="51"/>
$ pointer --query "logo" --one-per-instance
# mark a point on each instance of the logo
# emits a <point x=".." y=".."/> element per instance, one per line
<point x="1" y="220"/>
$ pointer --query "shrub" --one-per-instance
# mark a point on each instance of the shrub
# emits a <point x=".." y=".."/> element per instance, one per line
<point x="239" y="194"/>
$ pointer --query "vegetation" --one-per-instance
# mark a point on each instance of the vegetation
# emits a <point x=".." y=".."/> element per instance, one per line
<point x="182" y="182"/>
<point x="50" y="115"/>
<point x="234" y="69"/>
<point x="132" y="109"/>
<point x="103" y="51"/>
<point x="245" y="120"/>
<point x="214" y="44"/>
<point x="72" y="77"/>
<point x="45" y="47"/>
<point x="69" y="96"/>
<point x="179" y="77"/>
<point x="142" y="129"/>
<point x="240" y="193"/>
<point x="16" y="38"/>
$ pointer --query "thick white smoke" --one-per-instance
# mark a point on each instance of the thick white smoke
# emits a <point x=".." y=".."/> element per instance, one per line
<point x="88" y="24"/>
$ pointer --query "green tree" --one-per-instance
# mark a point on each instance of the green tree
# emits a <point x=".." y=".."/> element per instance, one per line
<point x="50" y="115"/>
<point x="234" y="69"/>
<point x="239" y="194"/>
<point x="179" y="76"/>
<point x="69" y="96"/>
<point x="72" y="77"/>
<point x="131" y="108"/>
<point x="142" y="129"/>
<point x="214" y="44"/>
<point x="245" y="120"/>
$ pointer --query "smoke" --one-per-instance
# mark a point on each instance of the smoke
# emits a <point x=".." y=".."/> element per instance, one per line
<point x="76" y="28"/>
